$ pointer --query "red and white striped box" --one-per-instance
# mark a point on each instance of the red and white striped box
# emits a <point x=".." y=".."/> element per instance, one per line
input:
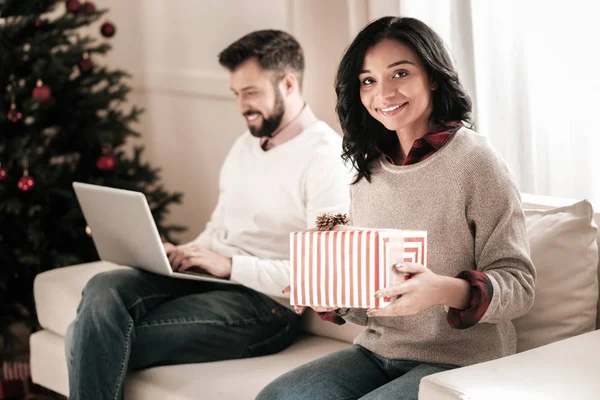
<point x="346" y="268"/>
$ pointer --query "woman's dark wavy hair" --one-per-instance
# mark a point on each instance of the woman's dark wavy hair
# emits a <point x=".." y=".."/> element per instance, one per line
<point x="362" y="133"/>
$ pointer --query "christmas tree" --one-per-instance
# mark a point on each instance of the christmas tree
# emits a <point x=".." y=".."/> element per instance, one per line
<point x="63" y="118"/>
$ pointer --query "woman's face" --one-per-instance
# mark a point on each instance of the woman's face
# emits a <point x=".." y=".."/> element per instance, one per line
<point x="394" y="86"/>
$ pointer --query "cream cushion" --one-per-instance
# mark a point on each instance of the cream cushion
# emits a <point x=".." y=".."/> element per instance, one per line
<point x="565" y="253"/>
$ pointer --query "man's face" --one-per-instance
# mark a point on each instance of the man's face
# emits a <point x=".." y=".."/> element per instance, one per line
<point x="258" y="97"/>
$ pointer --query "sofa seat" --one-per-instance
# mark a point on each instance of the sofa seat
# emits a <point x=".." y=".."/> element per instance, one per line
<point x="232" y="380"/>
<point x="58" y="293"/>
<point x="564" y="370"/>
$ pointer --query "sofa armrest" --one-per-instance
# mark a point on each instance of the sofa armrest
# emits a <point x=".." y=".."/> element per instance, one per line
<point x="567" y="370"/>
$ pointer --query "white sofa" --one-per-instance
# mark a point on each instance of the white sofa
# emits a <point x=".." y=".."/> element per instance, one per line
<point x="561" y="325"/>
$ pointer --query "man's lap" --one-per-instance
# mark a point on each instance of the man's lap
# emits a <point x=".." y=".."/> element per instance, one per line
<point x="182" y="321"/>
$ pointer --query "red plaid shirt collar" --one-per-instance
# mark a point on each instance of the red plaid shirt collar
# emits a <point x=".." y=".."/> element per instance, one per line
<point x="428" y="144"/>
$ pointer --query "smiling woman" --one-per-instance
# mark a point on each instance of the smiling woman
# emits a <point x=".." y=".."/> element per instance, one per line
<point x="397" y="93"/>
<point x="403" y="112"/>
<point x="407" y="84"/>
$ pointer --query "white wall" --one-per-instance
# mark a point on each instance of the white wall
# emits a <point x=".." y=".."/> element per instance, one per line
<point x="171" y="46"/>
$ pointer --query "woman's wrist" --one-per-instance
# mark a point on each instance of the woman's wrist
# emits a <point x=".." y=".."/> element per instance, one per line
<point x="454" y="293"/>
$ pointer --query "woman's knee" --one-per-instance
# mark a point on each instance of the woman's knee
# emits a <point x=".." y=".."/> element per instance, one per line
<point x="278" y="390"/>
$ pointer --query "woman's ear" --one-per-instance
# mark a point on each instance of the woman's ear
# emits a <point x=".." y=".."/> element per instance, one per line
<point x="434" y="86"/>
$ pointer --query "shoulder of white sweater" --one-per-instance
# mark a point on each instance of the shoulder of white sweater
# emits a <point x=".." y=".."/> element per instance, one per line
<point x="319" y="138"/>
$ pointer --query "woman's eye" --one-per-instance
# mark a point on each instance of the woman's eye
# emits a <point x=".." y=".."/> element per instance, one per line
<point x="400" y="74"/>
<point x="367" y="81"/>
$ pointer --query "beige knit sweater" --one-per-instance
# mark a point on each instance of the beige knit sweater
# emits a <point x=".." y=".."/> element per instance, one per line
<point x="465" y="197"/>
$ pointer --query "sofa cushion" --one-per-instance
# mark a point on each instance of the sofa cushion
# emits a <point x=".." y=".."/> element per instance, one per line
<point x="231" y="380"/>
<point x="565" y="253"/>
<point x="58" y="293"/>
<point x="566" y="370"/>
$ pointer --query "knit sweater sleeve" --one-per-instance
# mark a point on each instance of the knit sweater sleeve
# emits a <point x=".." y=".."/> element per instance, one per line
<point x="497" y="222"/>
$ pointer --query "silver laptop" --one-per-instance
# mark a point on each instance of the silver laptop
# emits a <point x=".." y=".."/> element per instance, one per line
<point x="124" y="231"/>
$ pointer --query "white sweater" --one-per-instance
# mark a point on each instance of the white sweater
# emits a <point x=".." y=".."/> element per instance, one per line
<point x="263" y="196"/>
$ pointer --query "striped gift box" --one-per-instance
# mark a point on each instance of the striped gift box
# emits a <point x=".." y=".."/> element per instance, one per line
<point x="346" y="268"/>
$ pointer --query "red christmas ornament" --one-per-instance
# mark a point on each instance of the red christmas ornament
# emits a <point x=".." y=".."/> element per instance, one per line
<point x="85" y="65"/>
<point x="26" y="183"/>
<point x="42" y="92"/>
<point x="89" y="7"/>
<point x="13" y="114"/>
<point x="108" y="29"/>
<point x="3" y="173"/>
<point x="106" y="162"/>
<point x="73" y="6"/>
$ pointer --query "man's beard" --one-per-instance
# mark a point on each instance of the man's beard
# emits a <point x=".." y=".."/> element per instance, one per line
<point x="269" y="125"/>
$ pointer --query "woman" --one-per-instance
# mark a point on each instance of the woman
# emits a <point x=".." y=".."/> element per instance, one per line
<point x="403" y="112"/>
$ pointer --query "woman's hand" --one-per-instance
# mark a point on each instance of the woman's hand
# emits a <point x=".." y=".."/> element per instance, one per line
<point x="418" y="288"/>
<point x="300" y="309"/>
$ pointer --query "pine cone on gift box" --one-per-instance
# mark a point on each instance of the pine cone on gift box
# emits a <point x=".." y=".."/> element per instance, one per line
<point x="326" y="222"/>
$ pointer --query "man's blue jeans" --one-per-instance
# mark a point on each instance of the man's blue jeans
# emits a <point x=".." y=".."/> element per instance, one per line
<point x="354" y="373"/>
<point x="130" y="319"/>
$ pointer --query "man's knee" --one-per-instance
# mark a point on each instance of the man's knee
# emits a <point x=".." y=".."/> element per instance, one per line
<point x="108" y="289"/>
<point x="116" y="279"/>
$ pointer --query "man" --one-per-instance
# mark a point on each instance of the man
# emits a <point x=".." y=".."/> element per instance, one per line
<point x="278" y="176"/>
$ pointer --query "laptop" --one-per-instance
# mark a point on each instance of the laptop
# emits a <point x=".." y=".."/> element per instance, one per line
<point x="124" y="231"/>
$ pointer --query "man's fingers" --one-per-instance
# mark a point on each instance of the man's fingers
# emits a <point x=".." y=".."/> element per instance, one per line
<point x="176" y="258"/>
<point x="181" y="254"/>
<point x="190" y="262"/>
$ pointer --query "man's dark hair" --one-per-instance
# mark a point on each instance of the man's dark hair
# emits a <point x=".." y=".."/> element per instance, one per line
<point x="275" y="51"/>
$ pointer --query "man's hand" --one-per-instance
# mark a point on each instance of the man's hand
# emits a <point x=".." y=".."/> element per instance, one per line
<point x="186" y="257"/>
<point x="300" y="309"/>
<point x="169" y="247"/>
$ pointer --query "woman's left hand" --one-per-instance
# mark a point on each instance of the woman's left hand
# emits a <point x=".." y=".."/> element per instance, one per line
<point x="416" y="288"/>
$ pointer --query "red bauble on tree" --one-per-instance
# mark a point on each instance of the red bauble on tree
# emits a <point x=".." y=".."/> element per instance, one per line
<point x="41" y="92"/>
<point x="26" y="183"/>
<point x="73" y="6"/>
<point x="14" y="115"/>
<point x="106" y="162"/>
<point x="3" y="173"/>
<point x="89" y="7"/>
<point x="85" y="65"/>
<point x="108" y="29"/>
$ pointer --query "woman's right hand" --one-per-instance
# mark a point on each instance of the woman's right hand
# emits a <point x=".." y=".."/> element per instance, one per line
<point x="300" y="309"/>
